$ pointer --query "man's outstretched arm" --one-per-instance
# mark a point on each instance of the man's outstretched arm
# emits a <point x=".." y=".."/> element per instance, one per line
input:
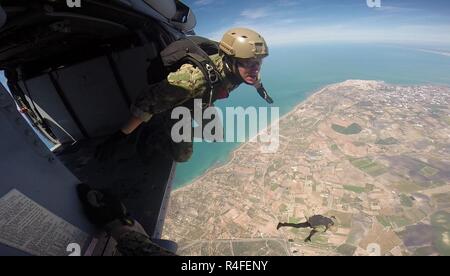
<point x="186" y="83"/>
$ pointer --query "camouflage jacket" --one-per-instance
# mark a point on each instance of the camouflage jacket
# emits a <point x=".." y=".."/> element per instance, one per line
<point x="186" y="83"/>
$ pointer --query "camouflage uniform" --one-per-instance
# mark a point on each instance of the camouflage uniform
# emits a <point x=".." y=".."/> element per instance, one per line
<point x="137" y="244"/>
<point x="318" y="223"/>
<point x="178" y="89"/>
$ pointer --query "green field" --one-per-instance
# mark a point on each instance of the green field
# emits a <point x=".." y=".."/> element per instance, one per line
<point x="346" y="249"/>
<point x="343" y="219"/>
<point x="356" y="189"/>
<point x="415" y="214"/>
<point x="424" y="251"/>
<point x="442" y="242"/>
<point x="441" y="219"/>
<point x="441" y="198"/>
<point x="398" y="221"/>
<point x="406" y="201"/>
<point x="216" y="249"/>
<point x="387" y="141"/>
<point x="369" y="166"/>
<point x="428" y="171"/>
<point x="259" y="248"/>
<point x="350" y="130"/>
<point x="254" y="199"/>
<point x="384" y="221"/>
<point x="299" y="200"/>
<point x="319" y="239"/>
<point x="447" y="120"/>
<point x="295" y="231"/>
<point x="441" y="223"/>
<point x="406" y="186"/>
<point x="394" y="221"/>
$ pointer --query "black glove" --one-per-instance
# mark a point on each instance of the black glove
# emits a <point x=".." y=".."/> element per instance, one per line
<point x="107" y="149"/>
<point x="102" y="207"/>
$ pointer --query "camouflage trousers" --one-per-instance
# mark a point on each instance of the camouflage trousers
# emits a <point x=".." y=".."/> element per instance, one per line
<point x="156" y="136"/>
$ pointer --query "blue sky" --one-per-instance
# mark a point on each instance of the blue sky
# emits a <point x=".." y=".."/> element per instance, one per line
<point x="410" y="22"/>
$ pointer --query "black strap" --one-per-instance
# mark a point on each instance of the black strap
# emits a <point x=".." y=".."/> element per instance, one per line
<point x="207" y="67"/>
<point x="263" y="93"/>
<point x="210" y="72"/>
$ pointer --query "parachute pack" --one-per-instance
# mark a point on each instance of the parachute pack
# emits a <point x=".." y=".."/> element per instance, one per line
<point x="196" y="51"/>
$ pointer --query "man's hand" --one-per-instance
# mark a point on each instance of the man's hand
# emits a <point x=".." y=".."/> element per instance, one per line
<point x="107" y="149"/>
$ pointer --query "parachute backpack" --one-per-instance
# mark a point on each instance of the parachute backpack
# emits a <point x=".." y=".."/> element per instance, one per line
<point x="196" y="51"/>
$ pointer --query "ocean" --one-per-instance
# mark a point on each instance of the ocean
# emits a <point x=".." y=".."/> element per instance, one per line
<point x="292" y="73"/>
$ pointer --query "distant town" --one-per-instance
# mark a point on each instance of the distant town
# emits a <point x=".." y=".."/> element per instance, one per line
<point x="374" y="155"/>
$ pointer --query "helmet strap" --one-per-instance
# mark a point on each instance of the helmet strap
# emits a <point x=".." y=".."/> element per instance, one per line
<point x="232" y="70"/>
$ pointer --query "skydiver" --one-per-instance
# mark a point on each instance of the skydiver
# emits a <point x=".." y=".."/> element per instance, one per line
<point x="318" y="223"/>
<point x="240" y="57"/>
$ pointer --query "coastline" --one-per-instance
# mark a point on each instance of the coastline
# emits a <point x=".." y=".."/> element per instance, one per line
<point x="230" y="156"/>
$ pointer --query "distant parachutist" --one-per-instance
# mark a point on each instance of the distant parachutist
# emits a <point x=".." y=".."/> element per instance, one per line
<point x="318" y="223"/>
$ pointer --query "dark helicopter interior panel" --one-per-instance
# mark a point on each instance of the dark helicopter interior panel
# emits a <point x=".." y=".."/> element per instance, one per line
<point x="79" y="73"/>
<point x="92" y="98"/>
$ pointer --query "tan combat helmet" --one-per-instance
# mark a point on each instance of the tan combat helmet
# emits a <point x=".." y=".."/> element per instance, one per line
<point x="243" y="43"/>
